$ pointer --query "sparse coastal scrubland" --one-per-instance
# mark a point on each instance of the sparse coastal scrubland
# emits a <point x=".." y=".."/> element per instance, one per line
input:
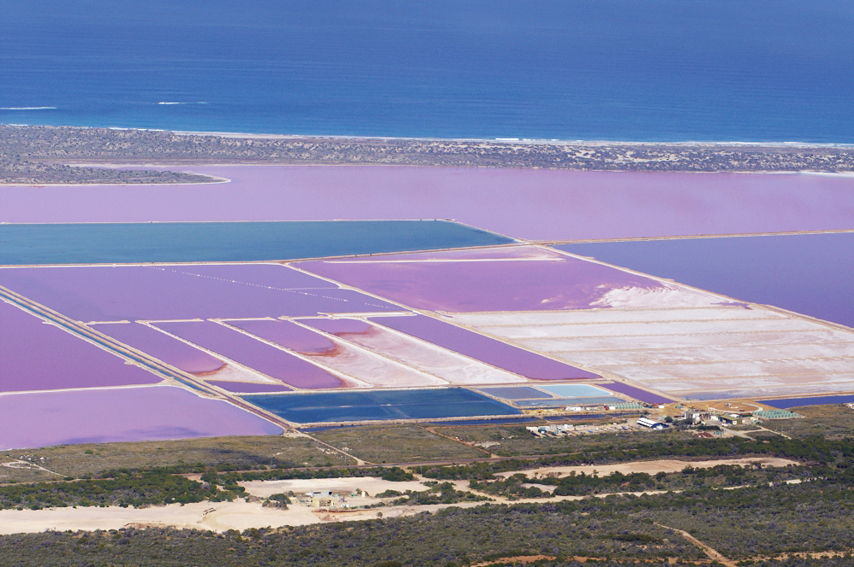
<point x="54" y="155"/>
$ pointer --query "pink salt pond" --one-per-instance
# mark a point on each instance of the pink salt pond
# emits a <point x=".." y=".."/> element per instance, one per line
<point x="500" y="279"/>
<point x="35" y="355"/>
<point x="121" y="414"/>
<point x="450" y="366"/>
<point x="163" y="347"/>
<point x="551" y="205"/>
<point x="288" y="335"/>
<point x="253" y="353"/>
<point x="363" y="367"/>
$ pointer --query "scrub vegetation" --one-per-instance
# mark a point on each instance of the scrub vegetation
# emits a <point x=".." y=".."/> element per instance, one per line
<point x="36" y="154"/>
<point x="832" y="422"/>
<point x="398" y="444"/>
<point x="515" y="440"/>
<point x="750" y="515"/>
<point x="189" y="455"/>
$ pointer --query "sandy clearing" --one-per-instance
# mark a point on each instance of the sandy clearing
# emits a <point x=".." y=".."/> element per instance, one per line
<point x="220" y="516"/>
<point x="651" y="467"/>
<point x="225" y="515"/>
<point x="371" y="485"/>
<point x="241" y="515"/>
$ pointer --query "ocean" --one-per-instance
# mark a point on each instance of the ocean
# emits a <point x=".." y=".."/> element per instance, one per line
<point x="670" y="70"/>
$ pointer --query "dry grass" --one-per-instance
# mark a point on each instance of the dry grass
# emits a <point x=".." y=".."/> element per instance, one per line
<point x="397" y="444"/>
<point x="516" y="441"/>
<point x="832" y="422"/>
<point x="93" y="459"/>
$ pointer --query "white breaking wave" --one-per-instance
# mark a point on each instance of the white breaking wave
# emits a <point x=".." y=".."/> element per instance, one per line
<point x="169" y="102"/>
<point x="28" y="108"/>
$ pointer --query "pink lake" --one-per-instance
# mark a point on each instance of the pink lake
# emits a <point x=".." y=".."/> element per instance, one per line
<point x="122" y="414"/>
<point x="35" y="355"/>
<point x="523" y="203"/>
<point x="502" y="279"/>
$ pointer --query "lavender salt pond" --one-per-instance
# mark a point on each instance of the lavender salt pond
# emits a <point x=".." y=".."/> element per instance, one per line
<point x="255" y="354"/>
<point x="811" y="274"/>
<point x="35" y="355"/>
<point x="115" y="293"/>
<point x="121" y="414"/>
<point x="163" y="347"/>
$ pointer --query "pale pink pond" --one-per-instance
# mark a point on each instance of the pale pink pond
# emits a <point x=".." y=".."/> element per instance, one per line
<point x="114" y="293"/>
<point x="450" y="366"/>
<point x="163" y="347"/>
<point x="288" y="335"/>
<point x="364" y="367"/>
<point x="524" y="203"/>
<point x="122" y="414"/>
<point x="504" y="279"/>
<point x="485" y="349"/>
<point x="35" y="355"/>
<point x="255" y="354"/>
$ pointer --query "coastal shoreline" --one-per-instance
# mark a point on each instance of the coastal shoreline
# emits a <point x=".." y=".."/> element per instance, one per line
<point x="55" y="155"/>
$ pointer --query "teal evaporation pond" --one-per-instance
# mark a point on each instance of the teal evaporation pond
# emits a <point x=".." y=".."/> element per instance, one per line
<point x="574" y="390"/>
<point x="560" y="402"/>
<point x="128" y="243"/>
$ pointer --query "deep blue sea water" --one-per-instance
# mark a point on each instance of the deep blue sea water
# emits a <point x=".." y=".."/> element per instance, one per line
<point x="667" y="70"/>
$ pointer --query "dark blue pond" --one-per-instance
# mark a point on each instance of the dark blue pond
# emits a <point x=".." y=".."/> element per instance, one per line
<point x="811" y="274"/>
<point x="380" y="405"/>
<point x="800" y="402"/>
<point x="117" y="243"/>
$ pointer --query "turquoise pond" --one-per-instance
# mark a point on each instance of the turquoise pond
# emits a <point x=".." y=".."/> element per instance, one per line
<point x="560" y="402"/>
<point x="121" y="243"/>
<point x="575" y="390"/>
